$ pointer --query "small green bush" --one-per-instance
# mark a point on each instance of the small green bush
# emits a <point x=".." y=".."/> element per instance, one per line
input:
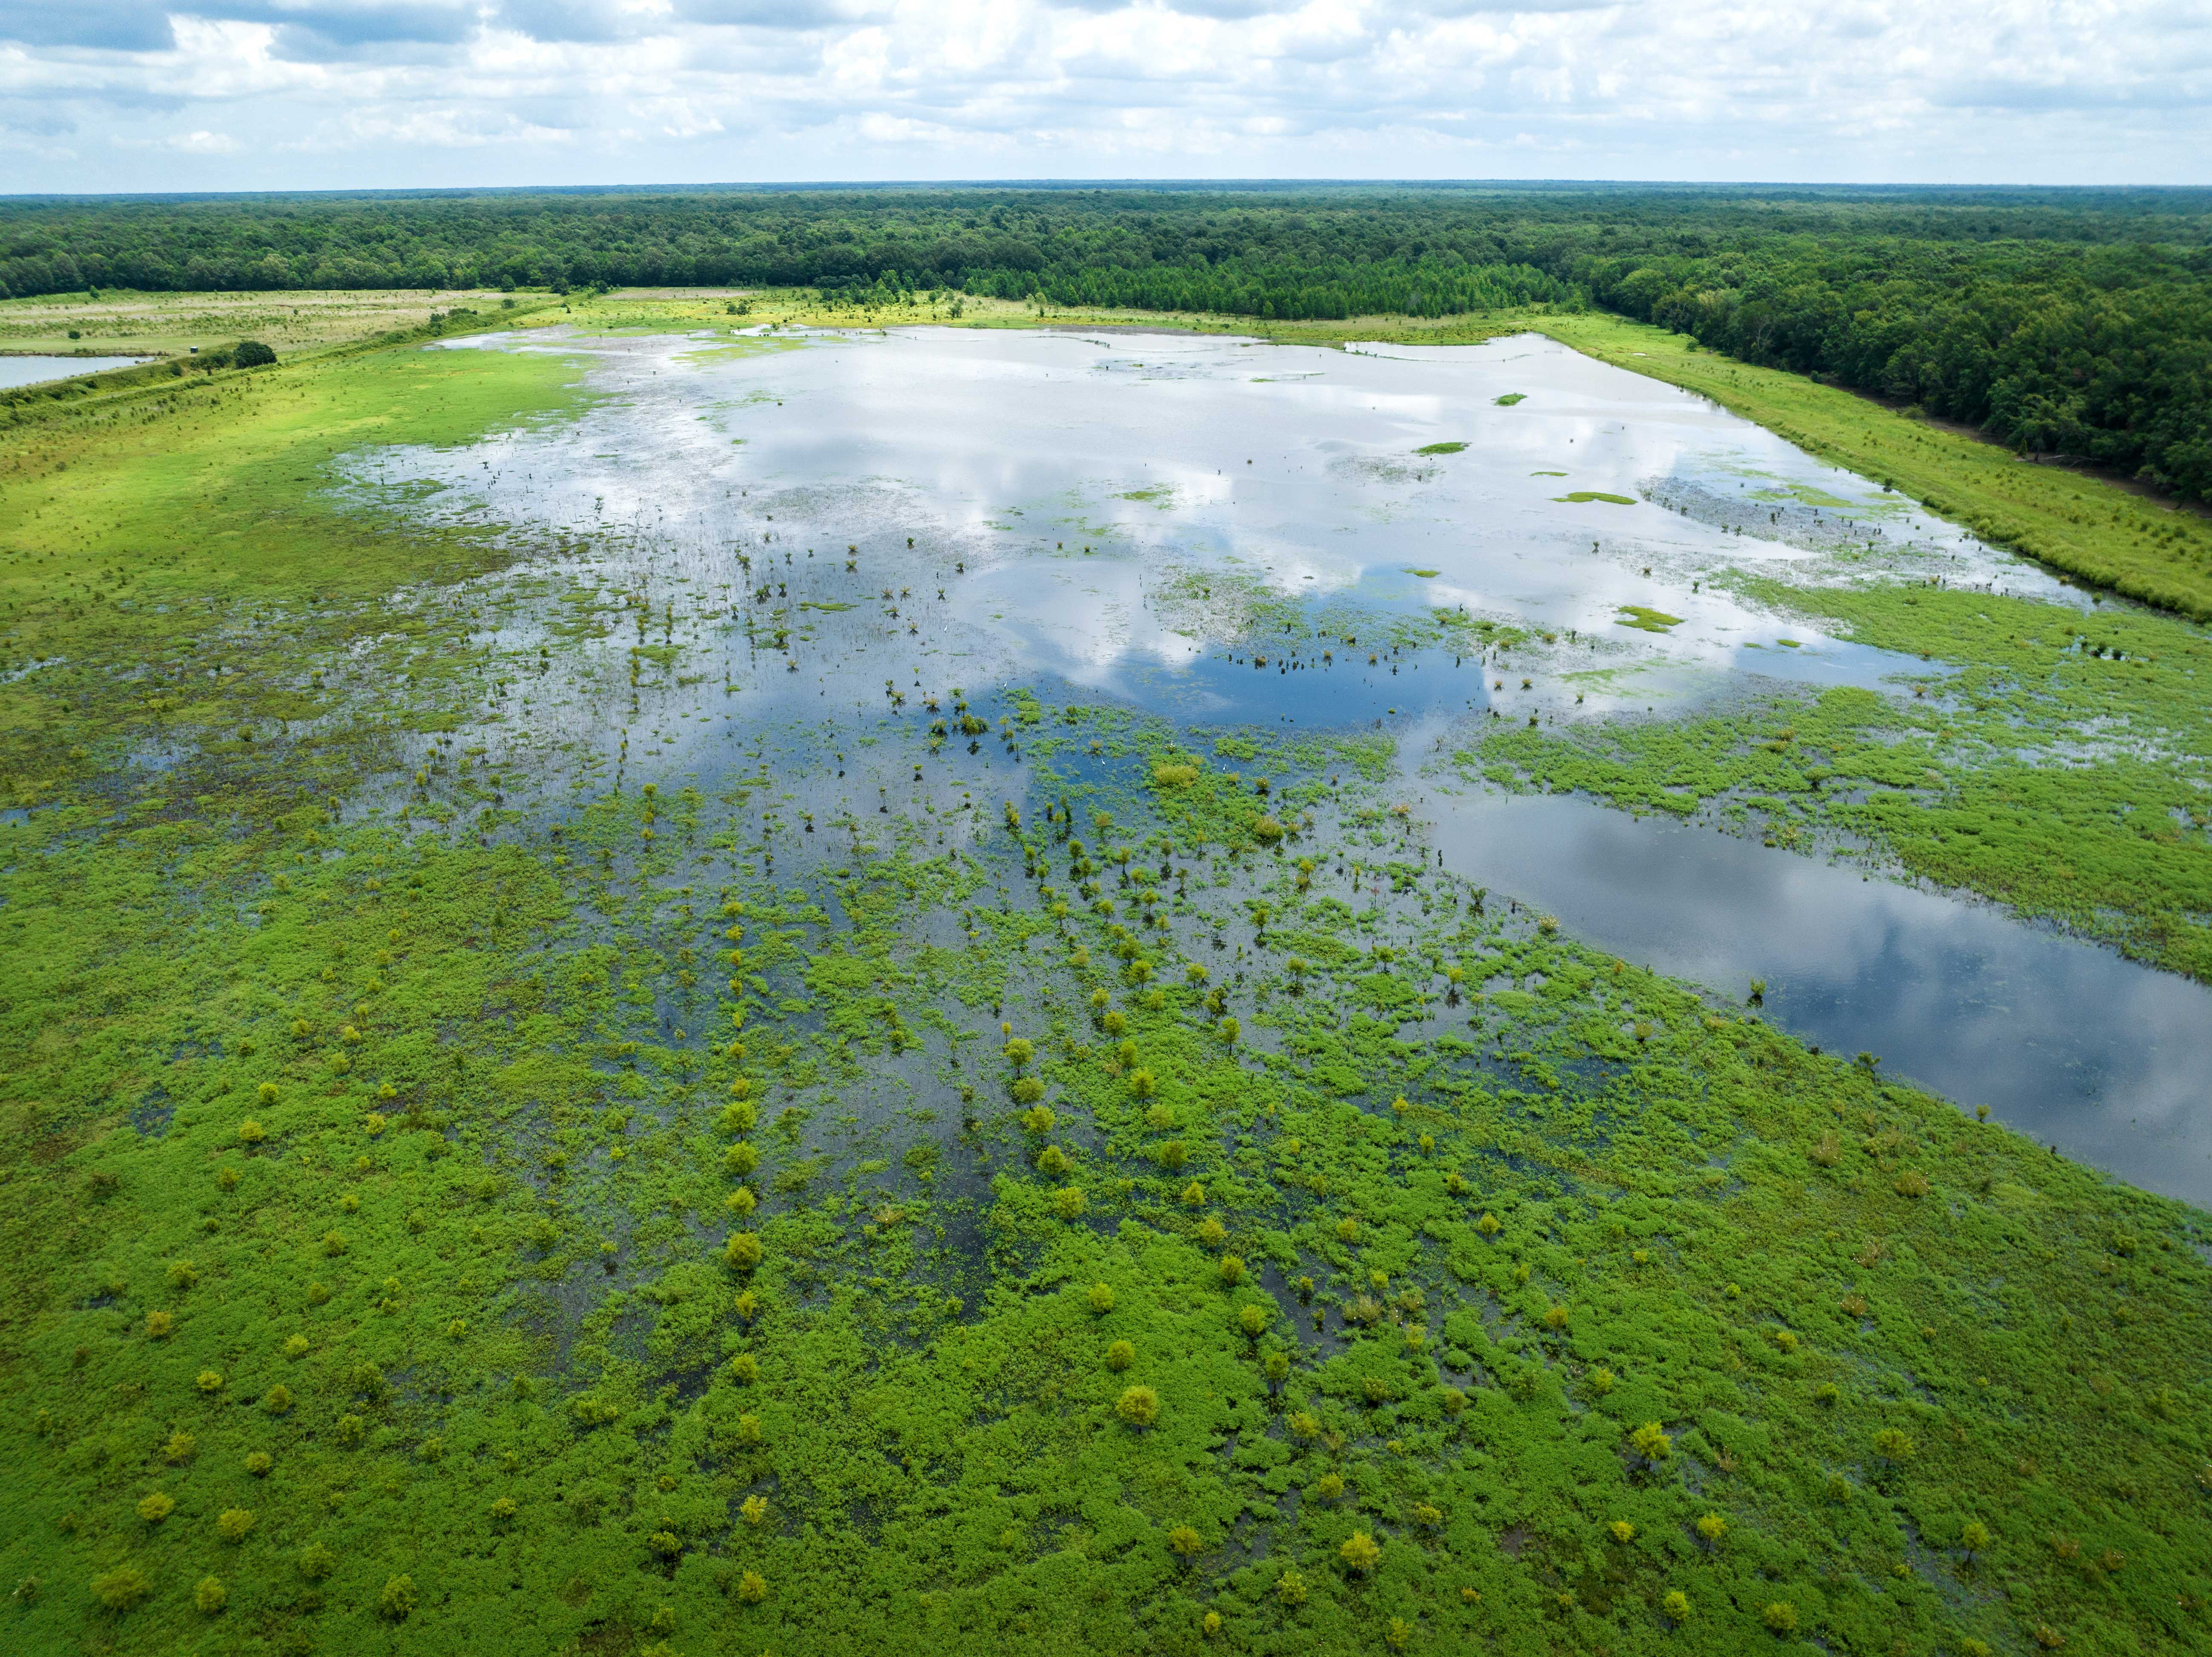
<point x="1361" y="1554"/>
<point x="235" y="1524"/>
<point x="121" y="1588"/>
<point x="1140" y="1406"/>
<point x="1100" y="1299"/>
<point x="210" y="1596"/>
<point x="397" y="1602"/>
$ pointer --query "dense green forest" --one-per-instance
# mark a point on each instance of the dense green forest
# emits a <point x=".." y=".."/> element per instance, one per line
<point x="2077" y="323"/>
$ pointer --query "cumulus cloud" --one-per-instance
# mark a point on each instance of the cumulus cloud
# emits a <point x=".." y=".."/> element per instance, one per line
<point x="368" y="92"/>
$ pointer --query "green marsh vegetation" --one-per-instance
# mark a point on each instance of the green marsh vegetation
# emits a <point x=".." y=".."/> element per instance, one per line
<point x="2049" y="757"/>
<point x="461" y="1195"/>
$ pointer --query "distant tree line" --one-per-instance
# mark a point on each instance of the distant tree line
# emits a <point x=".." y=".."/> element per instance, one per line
<point x="2068" y="322"/>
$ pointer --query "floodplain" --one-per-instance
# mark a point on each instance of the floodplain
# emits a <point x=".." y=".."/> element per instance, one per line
<point x="690" y="981"/>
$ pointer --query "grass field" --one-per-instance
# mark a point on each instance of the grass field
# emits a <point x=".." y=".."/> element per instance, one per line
<point x="463" y="1194"/>
<point x="170" y="325"/>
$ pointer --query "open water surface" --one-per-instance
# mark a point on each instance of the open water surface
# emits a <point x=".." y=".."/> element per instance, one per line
<point x="844" y="527"/>
<point x="37" y="370"/>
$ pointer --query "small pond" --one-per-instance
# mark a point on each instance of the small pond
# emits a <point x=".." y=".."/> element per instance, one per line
<point x="37" y="370"/>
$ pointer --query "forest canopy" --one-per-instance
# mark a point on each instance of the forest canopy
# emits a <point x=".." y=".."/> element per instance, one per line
<point x="2068" y="322"/>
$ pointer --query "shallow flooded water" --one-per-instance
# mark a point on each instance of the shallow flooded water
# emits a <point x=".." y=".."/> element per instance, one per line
<point x="37" y="370"/>
<point x="826" y="539"/>
<point x="2062" y="1039"/>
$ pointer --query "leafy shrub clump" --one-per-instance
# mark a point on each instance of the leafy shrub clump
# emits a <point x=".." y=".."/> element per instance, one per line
<point x="120" y="1589"/>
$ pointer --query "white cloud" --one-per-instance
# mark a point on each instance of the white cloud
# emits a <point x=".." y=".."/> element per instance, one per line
<point x="235" y="93"/>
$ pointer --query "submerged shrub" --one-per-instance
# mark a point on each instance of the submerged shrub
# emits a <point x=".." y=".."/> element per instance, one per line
<point x="209" y="1597"/>
<point x="156" y="1508"/>
<point x="1360" y="1554"/>
<point x="1184" y="1541"/>
<point x="752" y="1587"/>
<point x="1213" y="1233"/>
<point x="396" y="1601"/>
<point x="1652" y="1443"/>
<point x="235" y="1524"/>
<point x="740" y="1158"/>
<point x="1291" y="1588"/>
<point x="1052" y="1161"/>
<point x="258" y="1463"/>
<point x="755" y="1510"/>
<point x="1232" y="1271"/>
<point x="1676" y="1605"/>
<point x="160" y="1325"/>
<point x="1253" y="1321"/>
<point x="1100" y="1299"/>
<point x="1068" y="1203"/>
<point x="1138" y="1406"/>
<point x="1780" y="1616"/>
<point x="317" y="1561"/>
<point x="743" y="1251"/>
<point x="745" y="1369"/>
<point x="1119" y="1355"/>
<point x="1712" y="1527"/>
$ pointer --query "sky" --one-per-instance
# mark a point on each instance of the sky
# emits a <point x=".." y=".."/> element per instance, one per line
<point x="102" y="95"/>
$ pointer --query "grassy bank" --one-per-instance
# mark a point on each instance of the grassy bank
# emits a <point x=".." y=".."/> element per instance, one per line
<point x="2077" y="523"/>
